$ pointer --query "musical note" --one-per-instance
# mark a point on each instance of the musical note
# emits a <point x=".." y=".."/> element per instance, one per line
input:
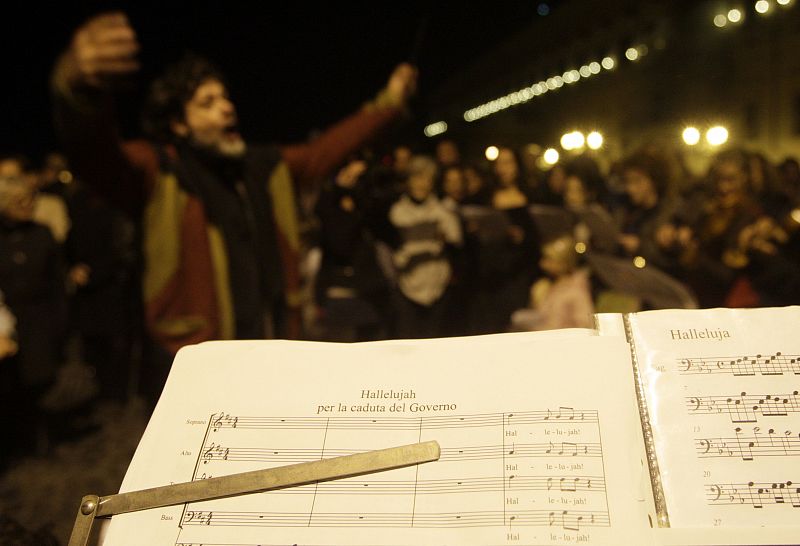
<point x="567" y="447"/>
<point x="568" y="485"/>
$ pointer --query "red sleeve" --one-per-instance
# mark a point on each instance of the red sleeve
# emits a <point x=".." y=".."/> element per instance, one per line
<point x="315" y="160"/>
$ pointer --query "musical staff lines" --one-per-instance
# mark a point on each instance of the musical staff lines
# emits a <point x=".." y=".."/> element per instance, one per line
<point x="573" y="520"/>
<point x="217" y="452"/>
<point x="513" y="484"/>
<point x="755" y="494"/>
<point x="777" y="364"/>
<point x="224" y="420"/>
<point x="749" y="447"/>
<point x="493" y="468"/>
<point x="743" y="407"/>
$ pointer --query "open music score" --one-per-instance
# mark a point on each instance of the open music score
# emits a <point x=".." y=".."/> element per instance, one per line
<point x="541" y="468"/>
<point x="777" y="364"/>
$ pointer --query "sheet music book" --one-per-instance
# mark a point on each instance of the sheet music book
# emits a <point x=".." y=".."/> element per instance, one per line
<point x="544" y="438"/>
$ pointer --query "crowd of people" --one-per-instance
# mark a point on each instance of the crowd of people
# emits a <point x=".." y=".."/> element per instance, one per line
<point x="117" y="254"/>
<point x="470" y="247"/>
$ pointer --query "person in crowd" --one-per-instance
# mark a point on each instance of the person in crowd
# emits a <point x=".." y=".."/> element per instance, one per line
<point x="48" y="209"/>
<point x="706" y="244"/>
<point x="476" y="187"/>
<point x="503" y="267"/>
<point x="426" y="228"/>
<point x="401" y="155"/>
<point x="584" y="197"/>
<point x="103" y="275"/>
<point x="32" y="282"/>
<point x="649" y="203"/>
<point x="453" y="187"/>
<point x="552" y="191"/>
<point x="563" y="297"/>
<point x="220" y="228"/>
<point x="351" y="289"/>
<point x="447" y="153"/>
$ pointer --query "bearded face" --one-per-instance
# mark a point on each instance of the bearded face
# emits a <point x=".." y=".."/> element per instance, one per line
<point x="210" y="121"/>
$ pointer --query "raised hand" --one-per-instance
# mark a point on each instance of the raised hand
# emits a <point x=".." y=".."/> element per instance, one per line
<point x="102" y="50"/>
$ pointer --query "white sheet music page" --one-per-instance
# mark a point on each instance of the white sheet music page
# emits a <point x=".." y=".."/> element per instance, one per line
<point x="540" y="442"/>
<point x="722" y="393"/>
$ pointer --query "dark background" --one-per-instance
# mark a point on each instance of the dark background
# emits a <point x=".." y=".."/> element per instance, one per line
<point x="292" y="68"/>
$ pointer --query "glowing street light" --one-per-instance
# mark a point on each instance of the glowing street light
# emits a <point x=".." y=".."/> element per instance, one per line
<point x="594" y="140"/>
<point x="734" y="15"/>
<point x="608" y="63"/>
<point x="551" y="156"/>
<point x="492" y="152"/>
<point x="762" y="6"/>
<point x="573" y="140"/>
<point x="436" y="128"/>
<point x="691" y="136"/>
<point x="631" y="54"/>
<point x="720" y="20"/>
<point x="717" y="136"/>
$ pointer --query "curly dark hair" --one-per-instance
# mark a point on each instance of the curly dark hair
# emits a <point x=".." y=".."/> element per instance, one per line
<point x="169" y="94"/>
<point x="655" y="166"/>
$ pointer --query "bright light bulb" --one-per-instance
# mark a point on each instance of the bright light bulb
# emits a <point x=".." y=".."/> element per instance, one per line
<point x="578" y="140"/>
<point x="716" y="136"/>
<point x="492" y="152"/>
<point x="691" y="136"/>
<point x="784" y="2"/>
<point x="594" y="140"/>
<point x="594" y="66"/>
<point x="639" y="262"/>
<point x="585" y="71"/>
<point x="734" y="15"/>
<point x="720" y="20"/>
<point x="608" y="63"/>
<point x="762" y="6"/>
<point x="566" y="141"/>
<point x="551" y="156"/>
<point x="631" y="54"/>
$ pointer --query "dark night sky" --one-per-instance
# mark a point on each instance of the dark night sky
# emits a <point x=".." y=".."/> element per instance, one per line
<point x="291" y="68"/>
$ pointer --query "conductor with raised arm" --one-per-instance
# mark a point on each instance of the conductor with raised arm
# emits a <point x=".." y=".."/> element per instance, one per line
<point x="219" y="224"/>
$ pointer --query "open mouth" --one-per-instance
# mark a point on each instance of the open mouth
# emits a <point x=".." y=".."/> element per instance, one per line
<point x="231" y="132"/>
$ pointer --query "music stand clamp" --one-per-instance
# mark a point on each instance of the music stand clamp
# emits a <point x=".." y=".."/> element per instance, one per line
<point x="256" y="481"/>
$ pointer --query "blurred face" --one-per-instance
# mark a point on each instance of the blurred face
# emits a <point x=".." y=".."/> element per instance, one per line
<point x="420" y="186"/>
<point x="505" y="167"/>
<point x="210" y="121"/>
<point x="640" y="188"/>
<point x="454" y="185"/>
<point x="447" y="153"/>
<point x="401" y="157"/>
<point x="556" y="257"/>
<point x="575" y="196"/>
<point x="730" y="184"/>
<point x="474" y="182"/>
<point x="18" y="203"/>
